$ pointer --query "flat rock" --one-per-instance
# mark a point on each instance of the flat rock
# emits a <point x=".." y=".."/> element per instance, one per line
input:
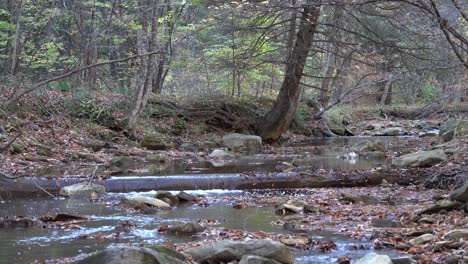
<point x="148" y="200"/>
<point x="221" y="153"/>
<point x="456" y="234"/>
<point x="422" y="239"/>
<point x="185" y="228"/>
<point x="130" y="255"/>
<point x="85" y="188"/>
<point x="385" y="223"/>
<point x="226" y="251"/>
<point x="404" y="260"/>
<point x="421" y="159"/>
<point x="373" y="258"/>
<point x="296" y="241"/>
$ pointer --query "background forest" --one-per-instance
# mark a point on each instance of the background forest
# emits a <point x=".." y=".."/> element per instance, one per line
<point x="92" y="58"/>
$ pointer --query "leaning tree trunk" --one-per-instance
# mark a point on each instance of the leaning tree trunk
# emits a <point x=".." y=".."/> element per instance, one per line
<point x="279" y="118"/>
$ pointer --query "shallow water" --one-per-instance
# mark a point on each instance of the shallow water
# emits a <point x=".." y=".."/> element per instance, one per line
<point x="27" y="245"/>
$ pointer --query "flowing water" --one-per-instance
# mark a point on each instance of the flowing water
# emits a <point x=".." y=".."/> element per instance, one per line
<point x="27" y="245"/>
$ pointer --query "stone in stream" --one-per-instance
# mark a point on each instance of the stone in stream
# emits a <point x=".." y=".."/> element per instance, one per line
<point x="369" y="146"/>
<point x="390" y="131"/>
<point x="453" y="128"/>
<point x="95" y="145"/>
<point x="84" y="188"/>
<point x="155" y="142"/>
<point x="226" y="251"/>
<point x="421" y="159"/>
<point x="89" y="156"/>
<point x="124" y="162"/>
<point x="422" y="239"/>
<point x="148" y="200"/>
<point x="460" y="194"/>
<point x="221" y="153"/>
<point x="185" y="228"/>
<point x="252" y="144"/>
<point x="132" y="255"/>
<point x="404" y="260"/>
<point x="168" y="197"/>
<point x="186" y="197"/>
<point x="373" y="258"/>
<point x="252" y="259"/>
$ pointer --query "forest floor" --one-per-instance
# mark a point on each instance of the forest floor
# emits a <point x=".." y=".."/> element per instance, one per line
<point x="39" y="138"/>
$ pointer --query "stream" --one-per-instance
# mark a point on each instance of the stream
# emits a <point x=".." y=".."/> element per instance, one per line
<point x="25" y="245"/>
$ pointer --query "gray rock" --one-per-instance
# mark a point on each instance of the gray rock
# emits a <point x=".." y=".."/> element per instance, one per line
<point x="186" y="197"/>
<point x="373" y="258"/>
<point x="374" y="155"/>
<point x="404" y="260"/>
<point x="422" y="239"/>
<point x="420" y="159"/>
<point x="251" y="143"/>
<point x="227" y="251"/>
<point x="185" y="228"/>
<point x="309" y="208"/>
<point x="221" y="153"/>
<point x="445" y="206"/>
<point x="87" y="189"/>
<point x="130" y="255"/>
<point x="390" y="131"/>
<point x="368" y="146"/>
<point x="157" y="158"/>
<point x="453" y="128"/>
<point x="460" y="194"/>
<point x="89" y="156"/>
<point x="148" y="200"/>
<point x="155" y="142"/>
<point x="456" y="234"/>
<point x="252" y="259"/>
<point x="168" y="197"/>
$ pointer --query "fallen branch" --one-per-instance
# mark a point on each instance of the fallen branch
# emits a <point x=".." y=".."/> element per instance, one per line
<point x="10" y="143"/>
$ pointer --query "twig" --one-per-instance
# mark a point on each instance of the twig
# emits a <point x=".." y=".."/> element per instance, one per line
<point x="42" y="189"/>
<point x="11" y="142"/>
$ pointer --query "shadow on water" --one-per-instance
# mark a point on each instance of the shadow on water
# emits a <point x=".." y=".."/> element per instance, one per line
<point x="27" y="245"/>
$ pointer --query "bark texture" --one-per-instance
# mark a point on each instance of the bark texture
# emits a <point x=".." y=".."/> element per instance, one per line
<point x="279" y="118"/>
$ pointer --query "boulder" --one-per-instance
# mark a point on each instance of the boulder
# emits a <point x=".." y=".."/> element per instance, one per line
<point x="154" y="142"/>
<point x="252" y="259"/>
<point x="453" y="128"/>
<point x="185" y="228"/>
<point x="456" y="234"/>
<point x="89" y="157"/>
<point x="157" y="158"/>
<point x="148" y="200"/>
<point x="404" y="260"/>
<point x="422" y="239"/>
<point x="460" y="194"/>
<point x="373" y="258"/>
<point x="131" y="255"/>
<point x="252" y="144"/>
<point x="226" y="251"/>
<point x="420" y="159"/>
<point x="84" y="188"/>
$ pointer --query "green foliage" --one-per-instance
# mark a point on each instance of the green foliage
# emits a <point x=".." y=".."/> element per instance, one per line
<point x="426" y="94"/>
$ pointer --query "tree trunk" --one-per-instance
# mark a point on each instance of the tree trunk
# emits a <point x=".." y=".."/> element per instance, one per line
<point x="147" y="66"/>
<point x="386" y="98"/>
<point x="279" y="118"/>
